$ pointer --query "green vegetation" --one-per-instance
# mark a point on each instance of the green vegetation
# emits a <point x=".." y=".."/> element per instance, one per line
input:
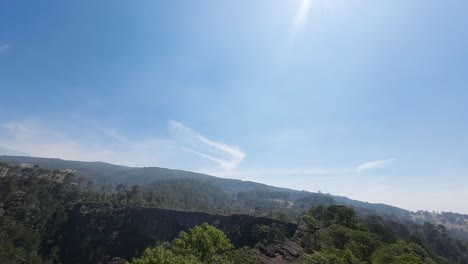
<point x="32" y="210"/>
<point x="240" y="196"/>
<point x="201" y="244"/>
<point x="401" y="252"/>
<point x="35" y="202"/>
<point x="34" y="206"/>
<point x="267" y="234"/>
<point x="335" y="235"/>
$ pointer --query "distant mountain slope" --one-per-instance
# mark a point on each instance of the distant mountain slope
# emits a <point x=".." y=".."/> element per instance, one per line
<point x="106" y="173"/>
<point x="249" y="192"/>
<point x="95" y="170"/>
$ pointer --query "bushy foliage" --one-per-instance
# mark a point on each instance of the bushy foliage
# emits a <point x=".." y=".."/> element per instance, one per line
<point x="163" y="255"/>
<point x="331" y="257"/>
<point x="32" y="211"/>
<point x="201" y="244"/>
<point x="401" y="253"/>
<point x="205" y="242"/>
<point x="335" y="235"/>
<point x="267" y="234"/>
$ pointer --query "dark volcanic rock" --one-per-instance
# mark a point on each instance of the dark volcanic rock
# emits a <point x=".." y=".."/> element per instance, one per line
<point x="286" y="252"/>
<point x="98" y="231"/>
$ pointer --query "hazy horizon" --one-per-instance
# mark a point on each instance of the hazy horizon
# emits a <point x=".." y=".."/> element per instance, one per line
<point x="221" y="176"/>
<point x="361" y="99"/>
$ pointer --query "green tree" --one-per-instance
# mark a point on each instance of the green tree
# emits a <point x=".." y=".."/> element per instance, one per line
<point x="267" y="234"/>
<point x="11" y="254"/>
<point x="162" y="255"/>
<point x="310" y="239"/>
<point x="243" y="255"/>
<point x="204" y="242"/>
<point x="402" y="253"/>
<point x="330" y="257"/>
<point x="201" y="244"/>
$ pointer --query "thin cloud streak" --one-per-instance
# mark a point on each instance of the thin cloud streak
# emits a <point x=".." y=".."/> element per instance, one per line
<point x="374" y="164"/>
<point x="234" y="154"/>
<point x="301" y="16"/>
<point x="223" y="163"/>
<point x="35" y="138"/>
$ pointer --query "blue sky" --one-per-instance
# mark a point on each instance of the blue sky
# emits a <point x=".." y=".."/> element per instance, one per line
<point x="366" y="99"/>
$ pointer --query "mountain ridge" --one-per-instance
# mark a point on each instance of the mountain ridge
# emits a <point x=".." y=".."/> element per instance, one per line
<point x="292" y="201"/>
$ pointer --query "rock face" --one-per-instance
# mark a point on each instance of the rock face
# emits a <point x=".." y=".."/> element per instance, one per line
<point x="98" y="231"/>
<point x="277" y="253"/>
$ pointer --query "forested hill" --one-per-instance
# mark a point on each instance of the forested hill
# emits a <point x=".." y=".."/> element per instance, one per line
<point x="52" y="216"/>
<point x="105" y="173"/>
<point x="228" y="195"/>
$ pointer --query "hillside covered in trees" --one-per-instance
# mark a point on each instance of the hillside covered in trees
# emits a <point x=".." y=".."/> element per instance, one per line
<point x="39" y="209"/>
<point x="226" y="194"/>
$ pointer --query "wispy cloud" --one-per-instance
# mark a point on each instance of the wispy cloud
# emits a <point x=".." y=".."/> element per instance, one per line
<point x="35" y="138"/>
<point x="89" y="141"/>
<point x="4" y="48"/>
<point x="227" y="156"/>
<point x="374" y="164"/>
<point x="302" y="14"/>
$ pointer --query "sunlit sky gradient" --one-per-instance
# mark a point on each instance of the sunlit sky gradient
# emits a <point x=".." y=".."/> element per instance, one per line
<point x="366" y="99"/>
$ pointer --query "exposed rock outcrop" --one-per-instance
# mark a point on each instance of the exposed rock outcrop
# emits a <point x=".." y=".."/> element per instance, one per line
<point x="281" y="252"/>
<point x="98" y="231"/>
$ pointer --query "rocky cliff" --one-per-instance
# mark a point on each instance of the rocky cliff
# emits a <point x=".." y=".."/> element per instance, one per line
<point x="97" y="231"/>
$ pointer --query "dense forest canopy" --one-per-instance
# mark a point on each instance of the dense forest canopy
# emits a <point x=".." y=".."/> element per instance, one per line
<point x="35" y="203"/>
